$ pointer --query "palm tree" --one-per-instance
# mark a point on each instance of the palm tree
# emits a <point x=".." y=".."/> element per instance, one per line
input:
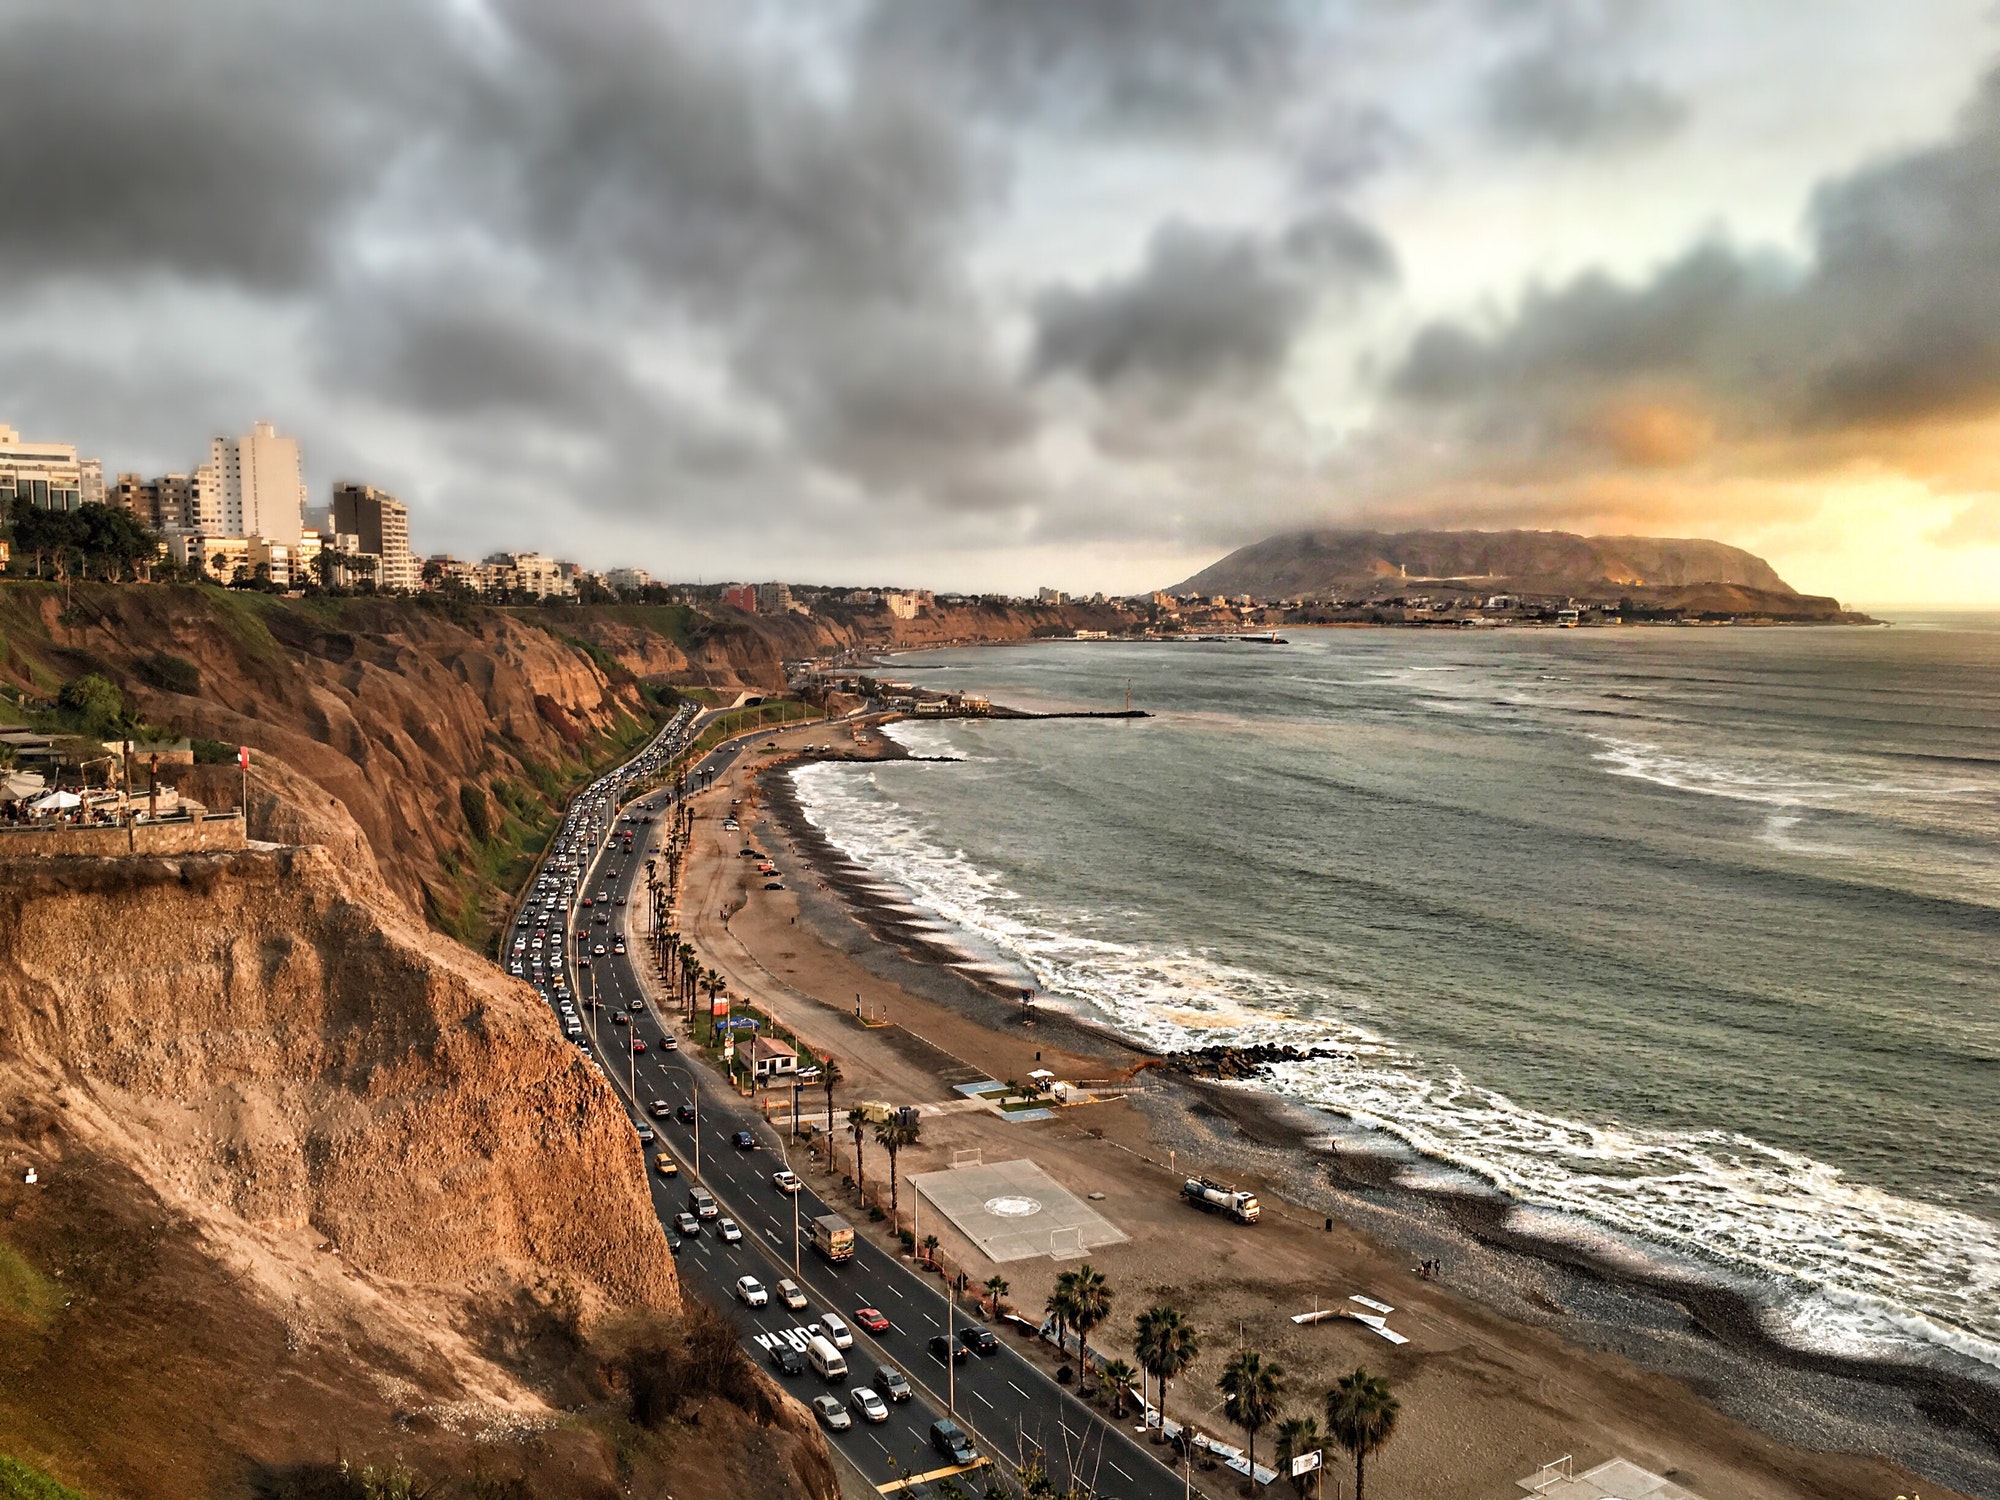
<point x="1252" y="1386"/>
<point x="893" y="1134"/>
<point x="1061" y="1304"/>
<point x="996" y="1288"/>
<point x="829" y="1075"/>
<point x="1092" y="1297"/>
<point x="1166" y="1346"/>
<point x="1118" y="1375"/>
<point x="1297" y="1436"/>
<point x="930" y="1249"/>
<point x="1361" y="1417"/>
<point x="857" y="1124"/>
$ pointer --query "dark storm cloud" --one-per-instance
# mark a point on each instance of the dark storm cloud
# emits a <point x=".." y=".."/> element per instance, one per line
<point x="1894" y="319"/>
<point x="222" y="146"/>
<point x="1146" y="64"/>
<point x="1556" y="97"/>
<point x="1207" y="305"/>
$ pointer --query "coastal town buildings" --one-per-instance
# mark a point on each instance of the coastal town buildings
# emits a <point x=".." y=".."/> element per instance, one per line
<point x="627" y="580"/>
<point x="48" y="475"/>
<point x="262" y="482"/>
<point x="382" y="522"/>
<point x="741" y="595"/>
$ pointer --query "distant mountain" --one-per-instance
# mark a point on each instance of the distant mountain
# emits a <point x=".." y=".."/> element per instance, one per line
<point x="1375" y="564"/>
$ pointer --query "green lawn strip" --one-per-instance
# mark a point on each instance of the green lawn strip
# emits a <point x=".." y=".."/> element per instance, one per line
<point x="19" y="1482"/>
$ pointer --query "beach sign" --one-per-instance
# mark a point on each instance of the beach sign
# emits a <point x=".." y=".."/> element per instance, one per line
<point x="1305" y="1463"/>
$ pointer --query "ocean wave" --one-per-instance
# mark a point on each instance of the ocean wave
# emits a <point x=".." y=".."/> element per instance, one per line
<point x="1839" y="1265"/>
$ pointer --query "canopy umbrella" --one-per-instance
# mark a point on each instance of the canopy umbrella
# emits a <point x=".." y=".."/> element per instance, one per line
<point x="19" y="785"/>
<point x="56" y="801"/>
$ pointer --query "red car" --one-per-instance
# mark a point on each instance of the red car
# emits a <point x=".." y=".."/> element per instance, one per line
<point x="637" y="1045"/>
<point x="871" y="1320"/>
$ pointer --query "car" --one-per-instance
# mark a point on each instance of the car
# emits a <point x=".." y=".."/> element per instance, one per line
<point x="619" y="902"/>
<point x="838" y="1331"/>
<point x="635" y="1005"/>
<point x="729" y="1231"/>
<point x="638" y="1044"/>
<point x="943" y="1349"/>
<point x="669" y="1044"/>
<point x="665" y="1165"/>
<point x="774" y="885"/>
<point x="790" y="1293"/>
<point x="581" y="963"/>
<point x="684" y="1113"/>
<point x="645" y="1131"/>
<point x="890" y="1383"/>
<point x="674" y="1243"/>
<point x="688" y="1225"/>
<point x="871" y="1320"/>
<point x="867" y="1405"/>
<point x="831" y="1413"/>
<point x="586" y="900"/>
<point x="950" y="1440"/>
<point x="787" y="1360"/>
<point x="597" y="951"/>
<point x="619" y="1018"/>
<point x="750" y="1291"/>
<point x="619" y="946"/>
<point x="743" y="1140"/>
<point x="660" y="1109"/>
<point x="786" y="1181"/>
<point x="979" y="1339"/>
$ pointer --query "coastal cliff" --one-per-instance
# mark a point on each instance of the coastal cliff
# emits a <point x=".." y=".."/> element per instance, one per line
<point x="291" y="1179"/>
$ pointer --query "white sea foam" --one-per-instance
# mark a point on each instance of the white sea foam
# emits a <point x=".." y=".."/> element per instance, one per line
<point x="1844" y="1266"/>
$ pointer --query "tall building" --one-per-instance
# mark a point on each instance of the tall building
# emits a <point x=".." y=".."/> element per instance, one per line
<point x="49" y="475"/>
<point x="262" y="483"/>
<point x="383" y="524"/>
<point x="139" y="497"/>
<point x="773" y="598"/>
<point x="742" y="595"/>
<point x="627" y="580"/>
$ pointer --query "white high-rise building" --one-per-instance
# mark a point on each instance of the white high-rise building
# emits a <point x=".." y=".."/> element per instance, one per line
<point x="262" y="484"/>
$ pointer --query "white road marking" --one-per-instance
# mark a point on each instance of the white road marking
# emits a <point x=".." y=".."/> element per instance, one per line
<point x="1120" y="1472"/>
<point x="983" y="1401"/>
<point x="1019" y="1392"/>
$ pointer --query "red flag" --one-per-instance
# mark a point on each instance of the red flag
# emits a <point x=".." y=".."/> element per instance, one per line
<point x="243" y="756"/>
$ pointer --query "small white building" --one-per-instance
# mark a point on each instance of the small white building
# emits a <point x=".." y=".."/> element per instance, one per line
<point x="771" y="1059"/>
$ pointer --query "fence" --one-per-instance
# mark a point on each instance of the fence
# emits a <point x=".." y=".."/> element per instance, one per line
<point x="162" y="836"/>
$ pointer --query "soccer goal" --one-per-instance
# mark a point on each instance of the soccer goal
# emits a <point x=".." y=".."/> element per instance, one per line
<point x="1066" y="1244"/>
<point x="969" y="1158"/>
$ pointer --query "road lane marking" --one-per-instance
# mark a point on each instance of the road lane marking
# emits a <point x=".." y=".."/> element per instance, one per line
<point x="1021" y="1393"/>
<point x="983" y="1401"/>
<point x="1120" y="1472"/>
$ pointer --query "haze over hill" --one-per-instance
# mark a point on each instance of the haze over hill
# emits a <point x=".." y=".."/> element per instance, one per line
<point x="1328" y="563"/>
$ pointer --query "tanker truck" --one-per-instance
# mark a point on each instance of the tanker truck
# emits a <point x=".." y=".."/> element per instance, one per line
<point x="1217" y="1199"/>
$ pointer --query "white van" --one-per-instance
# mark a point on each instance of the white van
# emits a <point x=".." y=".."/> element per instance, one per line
<point x="837" y="1331"/>
<point x="825" y="1359"/>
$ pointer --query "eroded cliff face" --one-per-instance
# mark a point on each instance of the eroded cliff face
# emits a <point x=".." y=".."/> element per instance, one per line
<point x="384" y="709"/>
<point x="286" y="1056"/>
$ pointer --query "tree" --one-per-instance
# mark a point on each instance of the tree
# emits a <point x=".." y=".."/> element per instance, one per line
<point x="1118" y="1375"/>
<point x="94" y="702"/>
<point x="893" y="1134"/>
<point x="1361" y="1417"/>
<point x="1251" y="1385"/>
<point x="1061" y="1304"/>
<point x="1090" y="1296"/>
<point x="1167" y="1345"/>
<point x="996" y="1288"/>
<point x="857" y="1125"/>
<point x="1297" y="1436"/>
<point x="930" y="1248"/>
<point x="829" y="1075"/>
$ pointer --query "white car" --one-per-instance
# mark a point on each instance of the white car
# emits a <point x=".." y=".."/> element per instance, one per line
<point x="749" y="1290"/>
<point x="786" y="1181"/>
<point x="838" y="1331"/>
<point x="790" y="1295"/>
<point x="867" y="1405"/>
<point x="727" y="1228"/>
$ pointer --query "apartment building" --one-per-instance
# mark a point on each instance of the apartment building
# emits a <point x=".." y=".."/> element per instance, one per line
<point x="48" y="475"/>
<point x="262" y="484"/>
<point x="382" y="522"/>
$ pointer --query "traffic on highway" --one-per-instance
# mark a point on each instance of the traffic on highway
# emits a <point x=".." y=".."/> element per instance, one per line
<point x="906" y="1381"/>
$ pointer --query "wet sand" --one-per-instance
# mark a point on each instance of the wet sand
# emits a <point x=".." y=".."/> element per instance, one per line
<point x="1520" y="1352"/>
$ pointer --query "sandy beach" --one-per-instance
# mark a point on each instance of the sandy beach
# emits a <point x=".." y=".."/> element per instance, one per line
<point x="1498" y="1376"/>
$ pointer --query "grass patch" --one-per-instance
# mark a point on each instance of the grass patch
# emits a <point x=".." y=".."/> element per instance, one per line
<point x="24" y="1291"/>
<point x="19" y="1482"/>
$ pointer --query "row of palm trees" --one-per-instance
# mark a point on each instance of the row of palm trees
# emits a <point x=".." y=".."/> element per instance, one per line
<point x="892" y="1135"/>
<point x="1360" y="1412"/>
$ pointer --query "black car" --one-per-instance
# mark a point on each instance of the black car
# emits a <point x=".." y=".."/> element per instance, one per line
<point x="890" y="1384"/>
<point x="950" y="1440"/>
<point x="684" y="1113"/>
<point x="943" y="1349"/>
<point x="743" y="1140"/>
<point x="979" y="1340"/>
<point x="787" y="1359"/>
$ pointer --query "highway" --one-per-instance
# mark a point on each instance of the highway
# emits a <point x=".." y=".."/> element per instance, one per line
<point x="1012" y="1410"/>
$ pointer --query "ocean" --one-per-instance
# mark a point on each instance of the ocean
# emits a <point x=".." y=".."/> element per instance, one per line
<point x="1684" y="940"/>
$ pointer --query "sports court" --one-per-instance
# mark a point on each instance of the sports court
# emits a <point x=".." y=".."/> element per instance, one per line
<point x="1013" y="1210"/>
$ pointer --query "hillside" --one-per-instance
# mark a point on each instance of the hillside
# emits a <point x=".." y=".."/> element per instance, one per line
<point x="1373" y="564"/>
<point x="312" y="1182"/>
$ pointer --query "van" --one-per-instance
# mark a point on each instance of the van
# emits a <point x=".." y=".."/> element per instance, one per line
<point x="825" y="1359"/>
<point x="701" y="1203"/>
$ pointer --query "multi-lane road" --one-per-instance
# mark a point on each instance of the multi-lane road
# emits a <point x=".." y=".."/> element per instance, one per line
<point x="1012" y="1410"/>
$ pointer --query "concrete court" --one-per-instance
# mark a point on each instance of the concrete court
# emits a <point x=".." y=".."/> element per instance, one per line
<point x="1013" y="1210"/>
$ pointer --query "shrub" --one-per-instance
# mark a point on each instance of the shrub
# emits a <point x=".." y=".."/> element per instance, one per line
<point x="1064" y="1375"/>
<point x="174" y="674"/>
<point x="94" y="702"/>
<point x="472" y="801"/>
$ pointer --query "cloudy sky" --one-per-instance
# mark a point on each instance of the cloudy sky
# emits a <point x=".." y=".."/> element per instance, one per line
<point x="990" y="293"/>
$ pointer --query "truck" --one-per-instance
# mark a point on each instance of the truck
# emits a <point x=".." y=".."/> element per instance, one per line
<point x="1217" y="1199"/>
<point x="833" y="1237"/>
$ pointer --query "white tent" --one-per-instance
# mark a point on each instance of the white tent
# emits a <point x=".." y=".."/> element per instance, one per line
<point x="17" y="786"/>
<point x="56" y="801"/>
